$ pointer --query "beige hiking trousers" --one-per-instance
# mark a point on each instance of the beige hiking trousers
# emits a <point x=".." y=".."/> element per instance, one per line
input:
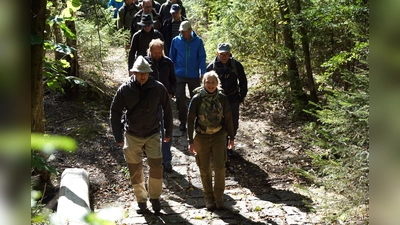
<point x="133" y="152"/>
<point x="211" y="149"/>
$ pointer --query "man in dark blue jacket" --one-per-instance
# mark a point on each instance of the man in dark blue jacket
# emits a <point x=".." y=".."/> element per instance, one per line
<point x="233" y="81"/>
<point x="170" y="27"/>
<point x="189" y="57"/>
<point x="142" y="96"/>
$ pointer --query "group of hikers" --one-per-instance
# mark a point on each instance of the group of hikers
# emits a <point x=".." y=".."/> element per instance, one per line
<point x="160" y="65"/>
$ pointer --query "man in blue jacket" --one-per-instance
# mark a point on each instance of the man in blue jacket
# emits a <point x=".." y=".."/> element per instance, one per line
<point x="115" y="4"/>
<point x="189" y="57"/>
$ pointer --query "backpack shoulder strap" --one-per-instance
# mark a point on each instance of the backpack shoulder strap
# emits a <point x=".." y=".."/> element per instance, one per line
<point x="125" y="12"/>
<point x="233" y="65"/>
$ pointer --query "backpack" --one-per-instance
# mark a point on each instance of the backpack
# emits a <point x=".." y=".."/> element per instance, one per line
<point x="210" y="113"/>
<point x="135" y="9"/>
<point x="233" y="66"/>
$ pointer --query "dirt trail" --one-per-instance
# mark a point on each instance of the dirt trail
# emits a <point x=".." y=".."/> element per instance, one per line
<point x="259" y="190"/>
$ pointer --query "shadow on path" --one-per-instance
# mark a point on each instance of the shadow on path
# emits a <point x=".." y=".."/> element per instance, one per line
<point x="251" y="176"/>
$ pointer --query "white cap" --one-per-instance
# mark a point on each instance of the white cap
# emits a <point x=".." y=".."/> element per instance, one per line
<point x="185" y="25"/>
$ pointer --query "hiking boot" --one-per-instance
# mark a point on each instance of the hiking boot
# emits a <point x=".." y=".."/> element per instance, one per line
<point x="142" y="207"/>
<point x="167" y="167"/>
<point x="220" y="204"/>
<point x="155" y="203"/>
<point x="210" y="204"/>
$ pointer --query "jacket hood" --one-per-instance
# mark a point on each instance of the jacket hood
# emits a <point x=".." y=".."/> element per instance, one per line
<point x="193" y="35"/>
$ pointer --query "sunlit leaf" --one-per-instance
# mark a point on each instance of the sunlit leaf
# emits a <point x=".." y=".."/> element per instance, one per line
<point x="47" y="142"/>
<point x="63" y="48"/>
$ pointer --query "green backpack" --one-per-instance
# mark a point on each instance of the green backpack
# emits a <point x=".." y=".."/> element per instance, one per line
<point x="210" y="113"/>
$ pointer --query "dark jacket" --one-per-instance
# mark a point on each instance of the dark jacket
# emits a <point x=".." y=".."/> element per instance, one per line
<point x="144" y="121"/>
<point x="234" y="85"/>
<point x="166" y="8"/>
<point x="164" y="72"/>
<point x="138" y="16"/>
<point x="126" y="14"/>
<point x="156" y="6"/>
<point x="188" y="56"/>
<point x="167" y="32"/>
<point x="140" y="43"/>
<point x="227" y="124"/>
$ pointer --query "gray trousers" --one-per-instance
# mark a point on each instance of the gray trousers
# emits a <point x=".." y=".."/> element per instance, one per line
<point x="181" y="95"/>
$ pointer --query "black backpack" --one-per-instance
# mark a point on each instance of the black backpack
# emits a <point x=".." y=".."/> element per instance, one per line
<point x="233" y="66"/>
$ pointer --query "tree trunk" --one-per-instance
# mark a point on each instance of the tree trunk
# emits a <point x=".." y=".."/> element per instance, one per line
<point x="275" y="38"/>
<point x="57" y="33"/>
<point x="71" y="89"/>
<point x="205" y="15"/>
<point x="38" y="21"/>
<point x="74" y="69"/>
<point x="307" y="58"/>
<point x="293" y="72"/>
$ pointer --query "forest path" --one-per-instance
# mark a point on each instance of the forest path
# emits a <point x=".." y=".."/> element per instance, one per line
<point x="261" y="188"/>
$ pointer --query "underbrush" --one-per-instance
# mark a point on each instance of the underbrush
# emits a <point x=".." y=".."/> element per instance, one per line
<point x="335" y="137"/>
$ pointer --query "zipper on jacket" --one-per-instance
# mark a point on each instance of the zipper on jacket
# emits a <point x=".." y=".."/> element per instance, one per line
<point x="187" y="57"/>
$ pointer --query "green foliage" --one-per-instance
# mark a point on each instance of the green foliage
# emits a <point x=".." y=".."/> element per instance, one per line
<point x="55" y="69"/>
<point x="48" y="144"/>
<point x="125" y="171"/>
<point x="338" y="35"/>
<point x="94" y="41"/>
<point x="99" y="14"/>
<point x="106" y="216"/>
<point x="247" y="27"/>
<point x="72" y="7"/>
<point x="41" y="145"/>
<point x="333" y="28"/>
<point x="60" y="21"/>
<point x="54" y="75"/>
<point x="342" y="128"/>
<point x="257" y="209"/>
<point x="39" y="215"/>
